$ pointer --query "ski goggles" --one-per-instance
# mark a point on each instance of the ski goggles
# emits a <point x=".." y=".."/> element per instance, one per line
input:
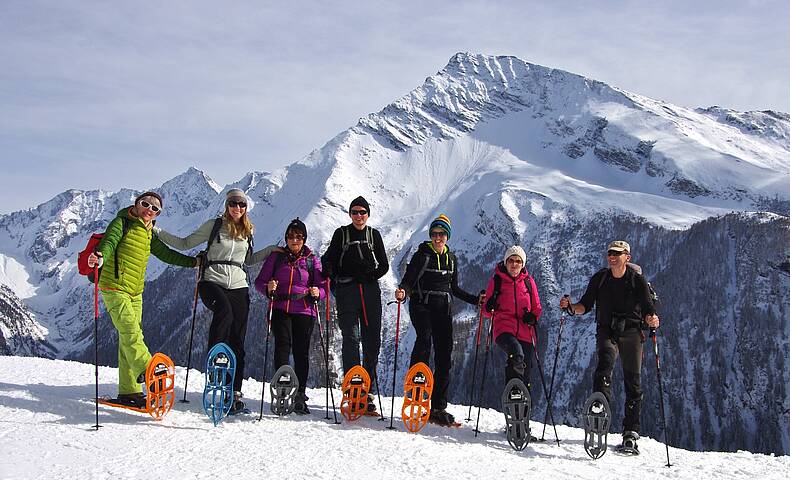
<point x="150" y="206"/>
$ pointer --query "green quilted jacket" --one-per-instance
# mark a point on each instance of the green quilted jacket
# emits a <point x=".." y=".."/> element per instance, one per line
<point x="134" y="248"/>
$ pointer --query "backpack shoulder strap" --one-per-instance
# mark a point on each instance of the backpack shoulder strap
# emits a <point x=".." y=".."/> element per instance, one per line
<point x="214" y="235"/>
<point x="605" y="274"/>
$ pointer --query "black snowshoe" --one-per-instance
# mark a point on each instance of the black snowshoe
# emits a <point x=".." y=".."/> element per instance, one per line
<point x="597" y="418"/>
<point x="283" y="387"/>
<point x="516" y="405"/>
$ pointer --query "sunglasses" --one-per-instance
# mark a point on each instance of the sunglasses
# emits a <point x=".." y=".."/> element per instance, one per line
<point x="358" y="212"/>
<point x="150" y="206"/>
<point x="295" y="236"/>
<point x="237" y="204"/>
<point x="516" y="261"/>
<point x="614" y="253"/>
<point x="438" y="233"/>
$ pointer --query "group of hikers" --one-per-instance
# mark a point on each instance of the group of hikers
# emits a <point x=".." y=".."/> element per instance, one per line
<point x="294" y="277"/>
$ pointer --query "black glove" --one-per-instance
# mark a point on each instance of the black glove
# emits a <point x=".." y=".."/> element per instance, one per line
<point x="529" y="318"/>
<point x="491" y="304"/>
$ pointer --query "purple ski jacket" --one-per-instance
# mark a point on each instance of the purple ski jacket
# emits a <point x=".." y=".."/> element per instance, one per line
<point x="291" y="272"/>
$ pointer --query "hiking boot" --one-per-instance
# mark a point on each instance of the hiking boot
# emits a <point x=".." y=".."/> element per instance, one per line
<point x="371" y="405"/>
<point x="441" y="417"/>
<point x="136" y="400"/>
<point x="629" y="440"/>
<point x="300" y="404"/>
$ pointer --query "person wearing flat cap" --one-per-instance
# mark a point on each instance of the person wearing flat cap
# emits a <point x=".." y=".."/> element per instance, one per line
<point x="514" y="303"/>
<point x="223" y="286"/>
<point x="431" y="279"/>
<point x="123" y="255"/>
<point x="622" y="301"/>
<point x="354" y="262"/>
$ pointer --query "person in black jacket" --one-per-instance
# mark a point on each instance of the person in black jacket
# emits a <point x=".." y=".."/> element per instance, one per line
<point x="430" y="280"/>
<point x="623" y="301"/>
<point x="354" y="261"/>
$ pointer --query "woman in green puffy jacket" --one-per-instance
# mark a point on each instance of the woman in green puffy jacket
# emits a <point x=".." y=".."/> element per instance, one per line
<point x="123" y="255"/>
<point x="223" y="285"/>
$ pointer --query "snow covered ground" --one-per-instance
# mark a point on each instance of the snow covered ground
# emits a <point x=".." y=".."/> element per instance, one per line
<point x="46" y="413"/>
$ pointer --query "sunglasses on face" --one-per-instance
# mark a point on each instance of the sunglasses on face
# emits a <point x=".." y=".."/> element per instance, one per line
<point x="438" y="233"/>
<point x="150" y="206"/>
<point x="516" y="261"/>
<point x="359" y="212"/>
<point x="295" y="236"/>
<point x="614" y="253"/>
<point x="237" y="204"/>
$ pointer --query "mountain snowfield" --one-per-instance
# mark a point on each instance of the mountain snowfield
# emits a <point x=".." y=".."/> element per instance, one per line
<point x="48" y="418"/>
<point x="512" y="152"/>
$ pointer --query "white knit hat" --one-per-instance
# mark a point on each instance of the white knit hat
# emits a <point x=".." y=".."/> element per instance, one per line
<point x="517" y="251"/>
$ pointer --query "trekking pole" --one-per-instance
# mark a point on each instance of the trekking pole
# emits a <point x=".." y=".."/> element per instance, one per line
<point x="266" y="350"/>
<point x="553" y="371"/>
<point x="660" y="391"/>
<point x="325" y="346"/>
<point x="375" y="374"/>
<point x="543" y="381"/>
<point x="326" y="350"/>
<point x="96" y="338"/>
<point x="395" y="368"/>
<point x="485" y="370"/>
<point x="191" y="334"/>
<point x="474" y="362"/>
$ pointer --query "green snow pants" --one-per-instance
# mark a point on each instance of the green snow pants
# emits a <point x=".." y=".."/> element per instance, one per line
<point x="126" y="312"/>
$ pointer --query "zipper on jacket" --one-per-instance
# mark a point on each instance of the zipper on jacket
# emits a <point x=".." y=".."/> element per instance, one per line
<point x="290" y="284"/>
<point x="515" y="306"/>
<point x="230" y="258"/>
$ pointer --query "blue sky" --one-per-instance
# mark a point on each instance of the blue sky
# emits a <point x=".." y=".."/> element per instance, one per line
<point x="129" y="94"/>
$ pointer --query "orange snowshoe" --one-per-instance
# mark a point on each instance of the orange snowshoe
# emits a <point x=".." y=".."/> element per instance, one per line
<point x="160" y="384"/>
<point x="356" y="385"/>
<point x="417" y="389"/>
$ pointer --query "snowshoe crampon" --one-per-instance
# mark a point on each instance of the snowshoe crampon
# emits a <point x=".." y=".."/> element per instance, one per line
<point x="159" y="383"/>
<point x="220" y="373"/>
<point x="417" y="390"/>
<point x="516" y="405"/>
<point x="596" y="419"/>
<point x="356" y="385"/>
<point x="283" y="388"/>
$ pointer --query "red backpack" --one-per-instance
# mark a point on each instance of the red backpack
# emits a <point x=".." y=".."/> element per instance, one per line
<point x="92" y="247"/>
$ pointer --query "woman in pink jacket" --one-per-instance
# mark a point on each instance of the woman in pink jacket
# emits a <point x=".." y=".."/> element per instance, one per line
<point x="515" y="305"/>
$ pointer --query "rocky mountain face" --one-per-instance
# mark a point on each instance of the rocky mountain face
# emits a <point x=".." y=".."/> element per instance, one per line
<point x="514" y="153"/>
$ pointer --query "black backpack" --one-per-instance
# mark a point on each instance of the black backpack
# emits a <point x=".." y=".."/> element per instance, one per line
<point x="214" y="236"/>
<point x="348" y="243"/>
<point x="492" y="302"/>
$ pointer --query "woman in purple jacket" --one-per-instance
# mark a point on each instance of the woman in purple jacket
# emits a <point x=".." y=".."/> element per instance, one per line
<point x="295" y="280"/>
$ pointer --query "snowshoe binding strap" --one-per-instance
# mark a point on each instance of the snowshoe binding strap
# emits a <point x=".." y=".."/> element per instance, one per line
<point x="283" y="388"/>
<point x="355" y="387"/>
<point x="596" y="419"/>
<point x="417" y="390"/>
<point x="516" y="405"/>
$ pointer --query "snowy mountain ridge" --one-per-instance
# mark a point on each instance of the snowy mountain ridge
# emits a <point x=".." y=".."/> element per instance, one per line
<point x="513" y="153"/>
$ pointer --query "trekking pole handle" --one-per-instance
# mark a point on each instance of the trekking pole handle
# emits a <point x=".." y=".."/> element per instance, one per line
<point x="569" y="308"/>
<point x="396" y="301"/>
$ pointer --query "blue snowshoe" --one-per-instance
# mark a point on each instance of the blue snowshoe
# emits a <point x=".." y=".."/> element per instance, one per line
<point x="220" y="372"/>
